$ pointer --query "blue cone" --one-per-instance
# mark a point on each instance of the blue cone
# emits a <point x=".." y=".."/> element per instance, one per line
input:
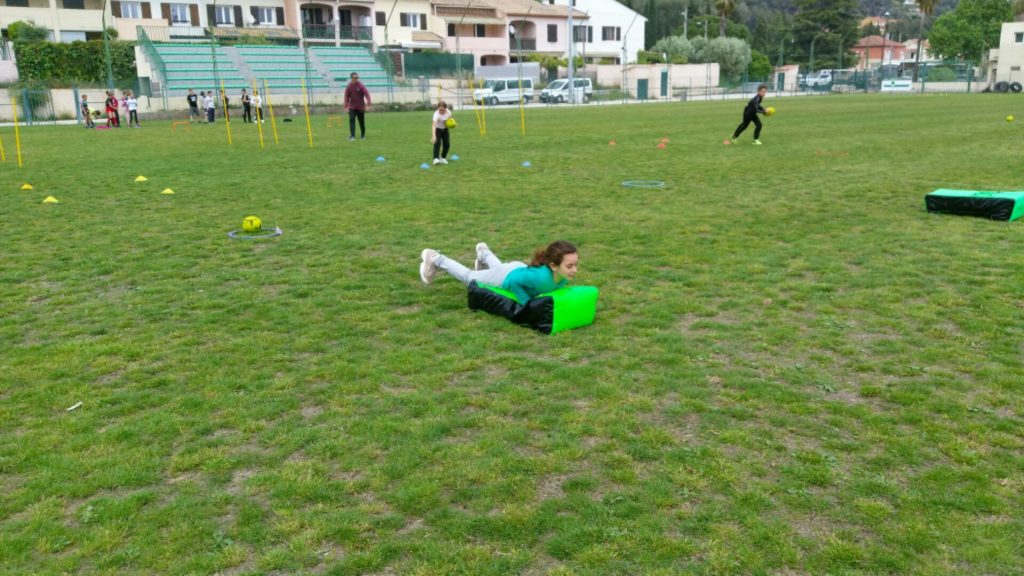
<point x="527" y="164"/>
<point x="454" y="157"/>
<point x="380" y="158"/>
<point x="425" y="166"/>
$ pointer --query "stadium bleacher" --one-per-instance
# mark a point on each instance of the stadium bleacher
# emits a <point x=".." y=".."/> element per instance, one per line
<point x="283" y="67"/>
<point x="191" y="66"/>
<point x="342" y="61"/>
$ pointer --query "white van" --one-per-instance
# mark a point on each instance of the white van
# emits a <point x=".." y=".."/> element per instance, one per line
<point x="558" y="91"/>
<point x="503" y="90"/>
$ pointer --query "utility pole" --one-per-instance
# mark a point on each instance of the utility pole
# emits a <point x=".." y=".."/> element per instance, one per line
<point x="572" y="55"/>
<point x="106" y="48"/>
<point x="458" y="53"/>
<point x="686" y="21"/>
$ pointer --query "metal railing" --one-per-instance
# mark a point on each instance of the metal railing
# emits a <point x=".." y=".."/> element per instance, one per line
<point x="330" y="32"/>
<point x="527" y="44"/>
<point x="319" y="32"/>
<point x="358" y="33"/>
<point x="156" y="63"/>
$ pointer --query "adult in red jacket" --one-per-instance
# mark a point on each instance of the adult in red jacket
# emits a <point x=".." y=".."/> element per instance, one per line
<point x="357" y="102"/>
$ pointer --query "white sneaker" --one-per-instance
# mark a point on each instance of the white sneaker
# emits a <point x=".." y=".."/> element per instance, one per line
<point x="481" y="264"/>
<point x="427" y="268"/>
<point x="443" y="161"/>
<point x="437" y="161"/>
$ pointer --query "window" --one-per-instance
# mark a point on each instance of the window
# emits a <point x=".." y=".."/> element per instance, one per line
<point x="18" y="3"/>
<point x="410" y="20"/>
<point x="451" y="29"/>
<point x="74" y="4"/>
<point x="179" y="14"/>
<point x="382" y="18"/>
<point x="480" y="31"/>
<point x="552" y="33"/>
<point x="611" y="33"/>
<point x="131" y="10"/>
<point x="265" y="15"/>
<point x="224" y="15"/>
<point x="1019" y="37"/>
<point x="584" y="33"/>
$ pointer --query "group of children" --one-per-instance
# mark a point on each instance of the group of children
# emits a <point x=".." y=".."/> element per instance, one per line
<point x="112" y="107"/>
<point x="209" y="103"/>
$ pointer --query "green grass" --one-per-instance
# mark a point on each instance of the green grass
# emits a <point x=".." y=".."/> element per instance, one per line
<point x="794" y="369"/>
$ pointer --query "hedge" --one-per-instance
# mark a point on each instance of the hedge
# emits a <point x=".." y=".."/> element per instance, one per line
<point x="76" y="62"/>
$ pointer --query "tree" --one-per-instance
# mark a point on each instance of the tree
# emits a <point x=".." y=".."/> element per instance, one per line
<point x="725" y="8"/>
<point x="22" y="31"/>
<point x="759" y="66"/>
<point x="550" y="64"/>
<point x="970" y="29"/>
<point x="927" y="8"/>
<point x="679" y="49"/>
<point x="824" y="26"/>
<point x="732" y="55"/>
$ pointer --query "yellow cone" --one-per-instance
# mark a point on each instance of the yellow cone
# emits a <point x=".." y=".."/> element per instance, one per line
<point x="141" y="179"/>
<point x="167" y="191"/>
<point x="51" y="200"/>
<point x="26" y="186"/>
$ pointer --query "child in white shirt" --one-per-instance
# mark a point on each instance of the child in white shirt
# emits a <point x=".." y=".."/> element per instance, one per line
<point x="439" y="133"/>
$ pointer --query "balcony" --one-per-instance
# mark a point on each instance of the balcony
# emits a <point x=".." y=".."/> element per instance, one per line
<point x="330" y="33"/>
<point x="528" y="44"/>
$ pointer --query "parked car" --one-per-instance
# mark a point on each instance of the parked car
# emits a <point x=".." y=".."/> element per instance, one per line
<point x="824" y="78"/>
<point x="503" y="91"/>
<point x="558" y="90"/>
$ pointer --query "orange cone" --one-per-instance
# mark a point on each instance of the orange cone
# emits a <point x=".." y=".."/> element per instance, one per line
<point x="611" y="142"/>
<point x="662" y="145"/>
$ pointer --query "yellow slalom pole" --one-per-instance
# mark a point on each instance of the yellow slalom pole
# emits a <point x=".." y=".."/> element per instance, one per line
<point x="273" y="122"/>
<point x="3" y="153"/>
<point x="17" y="134"/>
<point x="483" y="108"/>
<point x="227" y="117"/>
<point x="259" y="125"/>
<point x="305" y="104"/>
<point x="476" y="110"/>
<point x="438" y="90"/>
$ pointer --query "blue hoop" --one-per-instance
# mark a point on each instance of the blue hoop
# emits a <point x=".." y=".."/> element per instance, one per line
<point x="235" y="234"/>
<point x="643" y="183"/>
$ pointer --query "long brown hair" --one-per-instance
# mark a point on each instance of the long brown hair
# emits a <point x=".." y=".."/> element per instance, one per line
<point x="553" y="253"/>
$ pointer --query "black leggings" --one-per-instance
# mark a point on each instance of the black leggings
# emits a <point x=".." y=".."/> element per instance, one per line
<point x="441" y="137"/>
<point x="246" y="112"/>
<point x="133" y="118"/>
<point x="352" y="115"/>
<point x="748" y="117"/>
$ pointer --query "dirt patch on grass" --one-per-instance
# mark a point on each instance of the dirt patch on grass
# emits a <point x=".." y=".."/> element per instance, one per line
<point x="309" y="412"/>
<point x="236" y="486"/>
<point x="407" y="310"/>
<point x="411" y="525"/>
<point x="550" y="487"/>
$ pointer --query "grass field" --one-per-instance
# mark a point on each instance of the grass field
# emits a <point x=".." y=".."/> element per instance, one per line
<point x="794" y="369"/>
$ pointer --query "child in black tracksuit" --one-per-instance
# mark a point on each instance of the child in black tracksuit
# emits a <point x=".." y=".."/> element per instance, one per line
<point x="750" y="115"/>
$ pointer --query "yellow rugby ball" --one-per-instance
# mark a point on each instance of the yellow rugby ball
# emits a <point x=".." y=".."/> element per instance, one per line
<point x="252" y="224"/>
<point x="450" y="123"/>
<point x="769" y="111"/>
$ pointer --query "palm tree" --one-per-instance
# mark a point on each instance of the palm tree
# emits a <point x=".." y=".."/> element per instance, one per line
<point x="927" y="7"/>
<point x="725" y="8"/>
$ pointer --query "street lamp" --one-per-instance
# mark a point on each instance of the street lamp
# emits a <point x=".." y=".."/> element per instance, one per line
<point x="707" y="64"/>
<point x="213" y="49"/>
<point x="106" y="47"/>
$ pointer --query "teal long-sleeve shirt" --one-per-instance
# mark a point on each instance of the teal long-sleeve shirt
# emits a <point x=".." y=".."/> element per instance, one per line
<point x="528" y="282"/>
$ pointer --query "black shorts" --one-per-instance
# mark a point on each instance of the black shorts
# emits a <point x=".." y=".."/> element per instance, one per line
<point x="194" y="110"/>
